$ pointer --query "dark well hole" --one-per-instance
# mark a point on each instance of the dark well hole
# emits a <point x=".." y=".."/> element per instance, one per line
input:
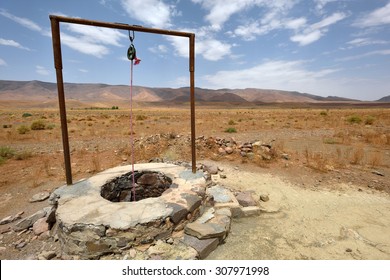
<point x="147" y="184"/>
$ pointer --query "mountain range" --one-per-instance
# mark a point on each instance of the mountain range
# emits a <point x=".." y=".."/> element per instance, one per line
<point x="104" y="95"/>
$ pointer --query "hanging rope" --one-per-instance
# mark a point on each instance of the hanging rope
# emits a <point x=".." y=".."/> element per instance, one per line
<point x="132" y="56"/>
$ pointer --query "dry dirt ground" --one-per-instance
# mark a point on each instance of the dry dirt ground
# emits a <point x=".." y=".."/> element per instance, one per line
<point x="329" y="197"/>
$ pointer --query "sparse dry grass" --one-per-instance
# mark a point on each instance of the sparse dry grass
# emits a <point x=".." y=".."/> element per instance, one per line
<point x="323" y="139"/>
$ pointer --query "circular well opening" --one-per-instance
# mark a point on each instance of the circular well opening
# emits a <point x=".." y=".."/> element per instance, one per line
<point x="147" y="184"/>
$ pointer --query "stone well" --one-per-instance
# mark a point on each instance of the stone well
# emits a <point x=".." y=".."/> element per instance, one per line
<point x="90" y="225"/>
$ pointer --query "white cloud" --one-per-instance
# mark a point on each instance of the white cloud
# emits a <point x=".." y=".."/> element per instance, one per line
<point x="12" y="43"/>
<point x="42" y="70"/>
<point x="2" y="62"/>
<point x="91" y="40"/>
<point x="334" y="18"/>
<point x="84" y="46"/>
<point x="276" y="74"/>
<point x="320" y="5"/>
<point x="249" y="31"/>
<point x="83" y="70"/>
<point x="221" y="10"/>
<point x="152" y="12"/>
<point x="296" y="23"/>
<point x="206" y="46"/>
<point x="22" y="21"/>
<point x="307" y="37"/>
<point x="94" y="34"/>
<point x="182" y="81"/>
<point x="160" y="49"/>
<point x="315" y="31"/>
<point x="360" y="42"/>
<point x="367" y="54"/>
<point x="378" y="17"/>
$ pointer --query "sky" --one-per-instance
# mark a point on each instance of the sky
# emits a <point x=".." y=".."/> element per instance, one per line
<point x="322" y="47"/>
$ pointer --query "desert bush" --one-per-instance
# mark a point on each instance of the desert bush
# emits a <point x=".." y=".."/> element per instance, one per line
<point x="369" y="120"/>
<point x="231" y="122"/>
<point x="7" y="125"/>
<point x="323" y="113"/>
<point x="25" y="115"/>
<point x="6" y="152"/>
<point x="50" y="126"/>
<point x="354" y="119"/>
<point x="141" y="117"/>
<point x="231" y="130"/>
<point x="23" y="155"/>
<point x="23" y="129"/>
<point x="330" y="141"/>
<point x="38" y="125"/>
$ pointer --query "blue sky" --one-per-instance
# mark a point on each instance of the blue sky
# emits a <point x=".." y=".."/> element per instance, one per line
<point x="322" y="47"/>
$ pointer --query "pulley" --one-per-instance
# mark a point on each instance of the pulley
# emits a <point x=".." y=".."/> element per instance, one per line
<point x="131" y="52"/>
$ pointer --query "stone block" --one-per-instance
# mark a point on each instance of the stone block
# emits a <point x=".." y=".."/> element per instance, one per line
<point x="245" y="199"/>
<point x="179" y="212"/>
<point x="224" y="212"/>
<point x="250" y="211"/>
<point x="203" y="247"/>
<point x="205" y="231"/>
<point x="193" y="201"/>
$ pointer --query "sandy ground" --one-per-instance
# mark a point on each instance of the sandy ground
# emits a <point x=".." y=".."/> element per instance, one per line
<point x="331" y="222"/>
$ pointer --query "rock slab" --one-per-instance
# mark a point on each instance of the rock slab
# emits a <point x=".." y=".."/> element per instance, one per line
<point x="205" y="231"/>
<point x="203" y="247"/>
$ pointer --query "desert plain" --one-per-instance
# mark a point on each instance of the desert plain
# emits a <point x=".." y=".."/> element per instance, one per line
<point x="326" y="169"/>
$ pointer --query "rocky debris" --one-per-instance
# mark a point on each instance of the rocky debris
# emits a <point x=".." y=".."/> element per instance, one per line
<point x="11" y="218"/>
<point x="211" y="169"/>
<point x="376" y="172"/>
<point x="47" y="255"/>
<point x="40" y="222"/>
<point x="247" y="149"/>
<point x="264" y="197"/>
<point x="5" y="230"/>
<point x="245" y="199"/>
<point x="162" y="250"/>
<point x="40" y="226"/>
<point x="29" y="221"/>
<point x="20" y="243"/>
<point x="39" y="197"/>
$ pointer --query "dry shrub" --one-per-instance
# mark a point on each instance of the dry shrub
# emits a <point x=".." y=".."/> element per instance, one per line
<point x="357" y="155"/>
<point x="96" y="165"/>
<point x="376" y="159"/>
<point x="374" y="137"/>
<point x="317" y="161"/>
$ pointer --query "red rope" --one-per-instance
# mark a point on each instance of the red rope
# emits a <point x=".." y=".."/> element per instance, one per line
<point x="131" y="129"/>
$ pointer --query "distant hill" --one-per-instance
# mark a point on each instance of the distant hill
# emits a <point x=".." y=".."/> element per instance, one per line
<point x="384" y="99"/>
<point x="45" y="94"/>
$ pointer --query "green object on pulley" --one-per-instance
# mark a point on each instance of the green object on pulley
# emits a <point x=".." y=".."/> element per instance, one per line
<point x="131" y="52"/>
